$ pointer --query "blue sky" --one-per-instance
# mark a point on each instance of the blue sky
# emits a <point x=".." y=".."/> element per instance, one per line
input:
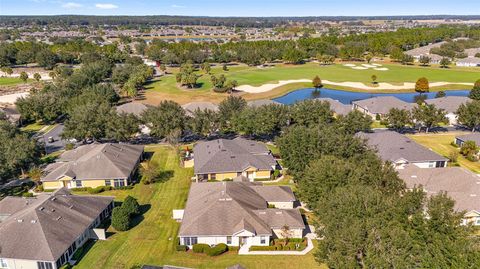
<point x="240" y="7"/>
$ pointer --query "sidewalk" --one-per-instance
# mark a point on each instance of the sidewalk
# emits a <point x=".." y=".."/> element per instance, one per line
<point x="246" y="251"/>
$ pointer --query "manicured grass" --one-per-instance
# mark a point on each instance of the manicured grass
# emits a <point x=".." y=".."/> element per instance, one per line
<point x="152" y="241"/>
<point x="33" y="127"/>
<point x="4" y="81"/>
<point x="166" y="87"/>
<point x="440" y="143"/>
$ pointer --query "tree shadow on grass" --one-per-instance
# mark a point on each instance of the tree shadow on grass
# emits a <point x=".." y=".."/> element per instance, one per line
<point x="139" y="218"/>
<point x="164" y="176"/>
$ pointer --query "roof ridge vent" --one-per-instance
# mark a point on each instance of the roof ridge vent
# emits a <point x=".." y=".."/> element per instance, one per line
<point x="33" y="221"/>
<point x="19" y="220"/>
<point x="54" y="198"/>
<point x="58" y="218"/>
<point x="41" y="208"/>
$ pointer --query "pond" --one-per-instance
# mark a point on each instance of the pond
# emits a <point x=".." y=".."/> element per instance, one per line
<point x="346" y="97"/>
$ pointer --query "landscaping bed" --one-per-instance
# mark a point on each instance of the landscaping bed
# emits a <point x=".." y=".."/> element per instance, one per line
<point x="283" y="245"/>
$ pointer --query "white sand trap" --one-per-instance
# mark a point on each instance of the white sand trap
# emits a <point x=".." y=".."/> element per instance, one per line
<point x="357" y="85"/>
<point x="377" y="64"/>
<point x="12" y="98"/>
<point x="349" y="65"/>
<point x="381" y="69"/>
<point x="359" y="68"/>
<point x="368" y="65"/>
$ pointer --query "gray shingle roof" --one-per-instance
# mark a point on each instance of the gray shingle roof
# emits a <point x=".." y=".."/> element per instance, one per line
<point x="132" y="108"/>
<point x="191" y="107"/>
<point x="382" y="104"/>
<point x="225" y="208"/>
<point x="96" y="161"/>
<point x="43" y="228"/>
<point x="392" y="146"/>
<point x="275" y="193"/>
<point x="448" y="103"/>
<point x="425" y="50"/>
<point x="223" y="155"/>
<point x="470" y="137"/>
<point x="262" y="102"/>
<point x="336" y="106"/>
<point x="460" y="184"/>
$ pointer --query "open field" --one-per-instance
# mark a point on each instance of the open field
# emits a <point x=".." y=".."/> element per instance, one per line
<point x="440" y="143"/>
<point x="152" y="240"/>
<point x="4" y="81"/>
<point x="166" y="87"/>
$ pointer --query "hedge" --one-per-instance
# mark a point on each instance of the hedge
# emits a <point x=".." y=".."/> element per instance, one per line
<point x="217" y="250"/>
<point x="181" y="248"/>
<point x="120" y="219"/>
<point x="27" y="194"/>
<point x="233" y="248"/>
<point x="262" y="248"/>
<point x="200" y="248"/>
<point x="131" y="205"/>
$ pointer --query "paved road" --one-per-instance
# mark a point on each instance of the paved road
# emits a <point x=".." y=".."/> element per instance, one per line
<point x="58" y="143"/>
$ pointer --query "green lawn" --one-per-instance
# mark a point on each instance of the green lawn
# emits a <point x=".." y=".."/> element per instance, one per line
<point x="166" y="87"/>
<point x="440" y="143"/>
<point x="4" y="81"/>
<point x="152" y="241"/>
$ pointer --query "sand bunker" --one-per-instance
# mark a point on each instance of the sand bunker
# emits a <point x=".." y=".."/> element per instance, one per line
<point x="369" y="65"/>
<point x="12" y="98"/>
<point x="356" y="85"/>
<point x="349" y="65"/>
<point x="381" y="69"/>
<point x="359" y="68"/>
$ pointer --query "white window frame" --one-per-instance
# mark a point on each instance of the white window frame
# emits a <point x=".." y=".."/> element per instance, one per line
<point x="263" y="239"/>
<point x="229" y="240"/>
<point x="3" y="263"/>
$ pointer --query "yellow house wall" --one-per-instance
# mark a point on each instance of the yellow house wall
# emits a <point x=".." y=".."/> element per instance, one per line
<point x="93" y="183"/>
<point x="263" y="174"/>
<point x="52" y="185"/>
<point x="223" y="176"/>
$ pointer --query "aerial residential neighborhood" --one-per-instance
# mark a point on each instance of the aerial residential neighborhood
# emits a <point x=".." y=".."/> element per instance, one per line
<point x="239" y="135"/>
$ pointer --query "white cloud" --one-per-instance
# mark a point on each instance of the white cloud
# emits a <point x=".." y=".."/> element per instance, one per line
<point x="106" y="6"/>
<point x="72" y="5"/>
<point x="177" y="6"/>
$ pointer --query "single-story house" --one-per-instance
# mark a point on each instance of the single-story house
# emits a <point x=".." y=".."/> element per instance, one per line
<point x="416" y="53"/>
<point x="460" y="184"/>
<point x="94" y="165"/>
<point x="136" y="109"/>
<point x="191" y="107"/>
<point x="336" y="106"/>
<point x="223" y="159"/>
<point x="450" y="104"/>
<point x="11" y="113"/>
<point x="262" y="102"/>
<point x="401" y="150"/>
<point x="468" y="62"/>
<point x="380" y="105"/>
<point x="238" y="213"/>
<point x="44" y="232"/>
<point x="475" y="137"/>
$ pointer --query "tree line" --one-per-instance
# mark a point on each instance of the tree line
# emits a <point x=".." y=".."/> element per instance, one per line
<point x="351" y="47"/>
<point x="366" y="216"/>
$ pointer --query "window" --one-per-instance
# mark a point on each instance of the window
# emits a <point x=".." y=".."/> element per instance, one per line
<point x="262" y="240"/>
<point x="188" y="241"/>
<point x="3" y="263"/>
<point x="229" y="240"/>
<point x="213" y="176"/>
<point x="78" y="183"/>
<point x="108" y="182"/>
<point x="478" y="221"/>
<point x="44" y="265"/>
<point x="118" y="183"/>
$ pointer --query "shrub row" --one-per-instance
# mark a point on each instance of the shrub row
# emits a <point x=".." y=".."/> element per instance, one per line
<point x="210" y="251"/>
<point x="181" y="248"/>
<point x="100" y="189"/>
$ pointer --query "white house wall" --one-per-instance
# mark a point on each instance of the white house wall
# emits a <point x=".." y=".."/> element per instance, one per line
<point x="22" y="264"/>
<point x="282" y="205"/>
<point x="294" y="233"/>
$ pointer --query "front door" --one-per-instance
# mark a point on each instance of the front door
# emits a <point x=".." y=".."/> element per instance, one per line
<point x="243" y="240"/>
